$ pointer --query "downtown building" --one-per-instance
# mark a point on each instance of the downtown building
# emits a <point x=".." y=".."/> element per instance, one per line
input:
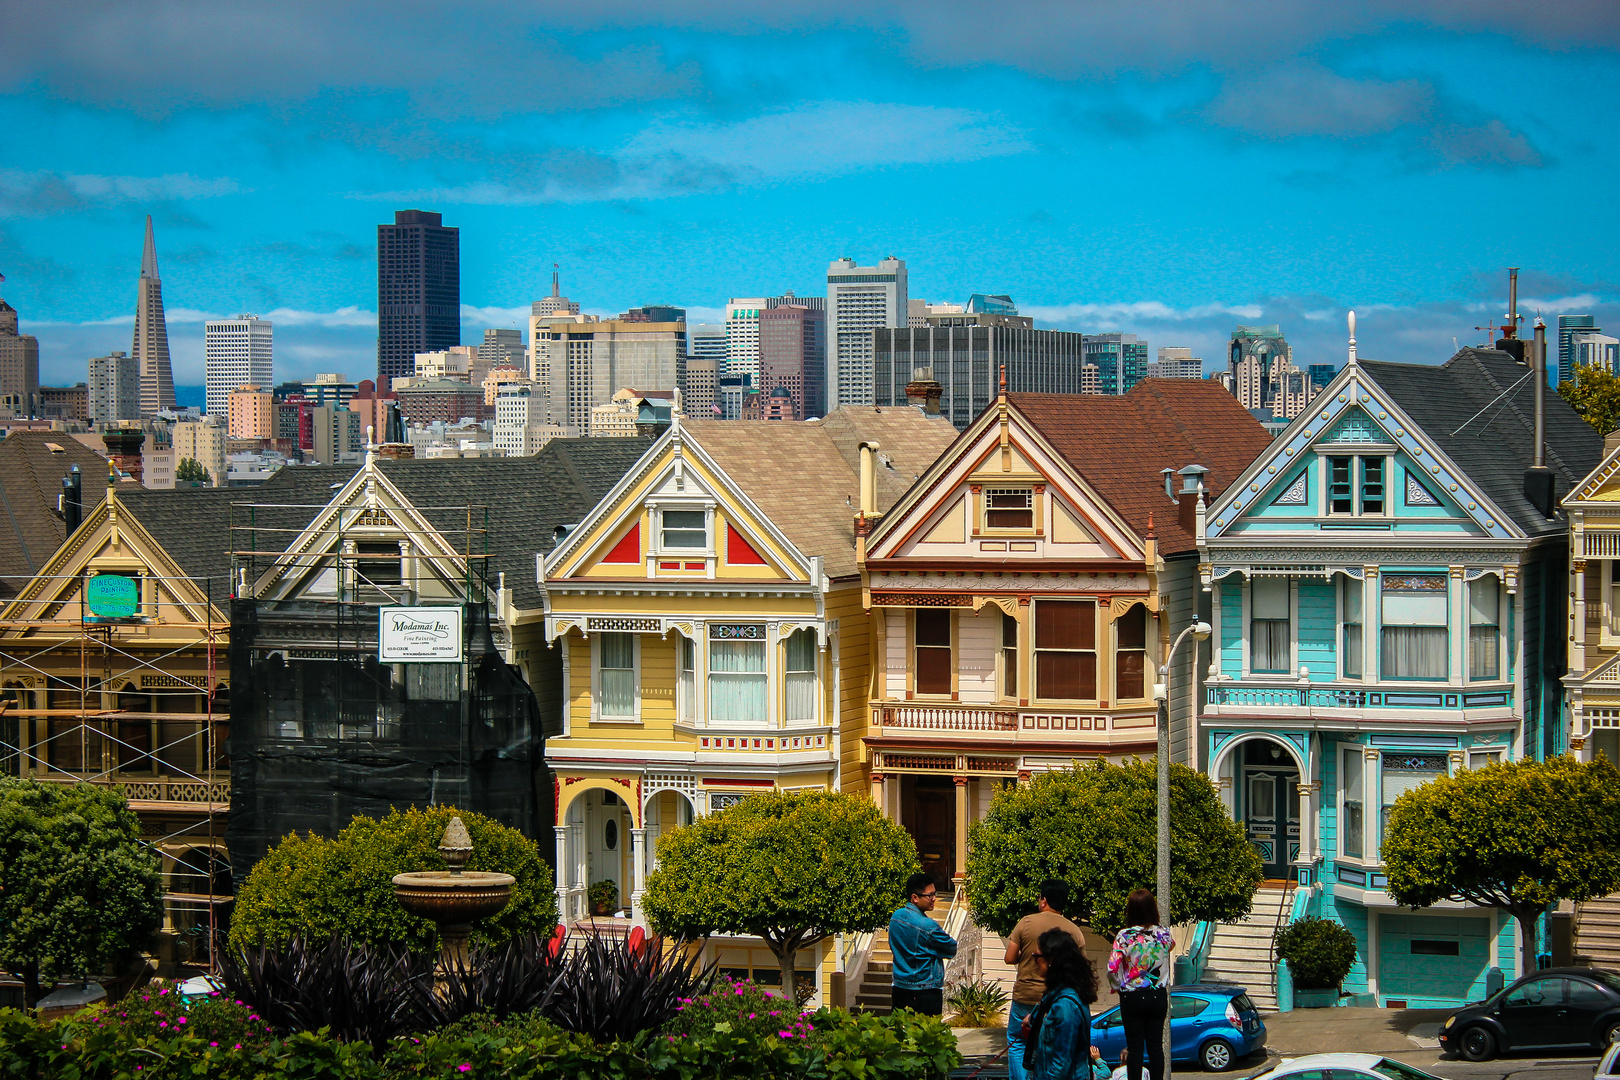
<point x="1113" y="363"/>
<point x="965" y="353"/>
<point x="1260" y="371"/>
<point x="792" y="357"/>
<point x="860" y="300"/>
<point x="151" y="343"/>
<point x="587" y="362"/>
<point x="114" y="388"/>
<point x="19" y="367"/>
<point x="418" y="291"/>
<point x="237" y="353"/>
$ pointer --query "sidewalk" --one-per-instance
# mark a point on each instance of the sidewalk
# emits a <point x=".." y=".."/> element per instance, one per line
<point x="1363" y="1031"/>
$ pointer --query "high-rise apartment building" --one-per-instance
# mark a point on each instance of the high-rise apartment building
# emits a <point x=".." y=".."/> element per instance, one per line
<point x="556" y="303"/>
<point x="860" y="299"/>
<point x="202" y="441"/>
<point x="114" y="388"/>
<point x="742" y="329"/>
<point x="1175" y="363"/>
<point x="252" y="412"/>
<point x="700" y="391"/>
<point x="502" y="348"/>
<point x="19" y="367"/>
<point x="418" y="290"/>
<point x="793" y="355"/>
<point x="238" y="353"/>
<point x="965" y="353"/>
<point x="1117" y="362"/>
<point x="520" y="423"/>
<point x="1591" y="347"/>
<point x="1322" y="374"/>
<point x="588" y="361"/>
<point x="1260" y="371"/>
<point x="337" y="435"/>
<point x="1568" y="327"/>
<point x="706" y="341"/>
<point x="151" y="348"/>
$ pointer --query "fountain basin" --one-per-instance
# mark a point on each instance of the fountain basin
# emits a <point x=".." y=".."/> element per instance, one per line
<point x="448" y="898"/>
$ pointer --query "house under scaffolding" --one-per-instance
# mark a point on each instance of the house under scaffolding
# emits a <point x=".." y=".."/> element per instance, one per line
<point x="326" y="724"/>
<point x="113" y="672"/>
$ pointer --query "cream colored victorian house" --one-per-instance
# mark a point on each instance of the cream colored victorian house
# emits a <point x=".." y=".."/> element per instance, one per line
<point x="1593" y="680"/>
<point x="713" y="633"/>
<point x="1023" y="593"/>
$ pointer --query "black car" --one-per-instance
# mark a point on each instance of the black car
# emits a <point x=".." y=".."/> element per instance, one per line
<point x="1554" y="1008"/>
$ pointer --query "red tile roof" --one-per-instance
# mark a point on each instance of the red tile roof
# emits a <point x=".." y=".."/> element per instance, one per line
<point x="1120" y="444"/>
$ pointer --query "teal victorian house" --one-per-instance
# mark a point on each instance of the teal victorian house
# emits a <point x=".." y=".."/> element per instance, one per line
<point x="1388" y="591"/>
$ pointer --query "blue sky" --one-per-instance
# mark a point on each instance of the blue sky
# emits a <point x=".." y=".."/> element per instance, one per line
<point x="1163" y="167"/>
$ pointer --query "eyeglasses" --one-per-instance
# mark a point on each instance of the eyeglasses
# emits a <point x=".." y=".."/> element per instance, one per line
<point x="928" y="895"/>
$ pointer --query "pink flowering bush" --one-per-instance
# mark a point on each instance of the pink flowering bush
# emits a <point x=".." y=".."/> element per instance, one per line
<point x="157" y="1011"/>
<point x="746" y="1007"/>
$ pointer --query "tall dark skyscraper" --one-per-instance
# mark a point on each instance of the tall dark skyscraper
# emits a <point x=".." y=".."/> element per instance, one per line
<point x="418" y="290"/>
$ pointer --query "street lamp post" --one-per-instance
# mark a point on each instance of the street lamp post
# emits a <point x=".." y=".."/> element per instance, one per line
<point x="1161" y="693"/>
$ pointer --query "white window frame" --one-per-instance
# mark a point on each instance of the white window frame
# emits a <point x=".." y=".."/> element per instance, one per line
<point x="687" y="708"/>
<point x="769" y="675"/>
<point x="1378" y="787"/>
<point x="1348" y="585"/>
<point x="1607" y="634"/>
<point x="1468" y="629"/>
<point x="816" y="707"/>
<point x="1449" y="625"/>
<point x="1358" y="751"/>
<point x="657" y="539"/>
<point x="986" y="509"/>
<point x="1481" y="756"/>
<point x="1293" y="630"/>
<point x="1358" y="453"/>
<point x="596" y="681"/>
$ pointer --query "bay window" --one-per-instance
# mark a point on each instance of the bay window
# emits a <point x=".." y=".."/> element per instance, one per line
<point x="616" y="676"/>
<point x="1405" y="772"/>
<point x="1269" y="638"/>
<point x="933" y="647"/>
<point x="1484" y="629"/>
<point x="1009" y="656"/>
<point x="1351" y="829"/>
<point x="1130" y="654"/>
<point x="1066" y="650"/>
<point x="688" y="679"/>
<point x="801" y="676"/>
<point x="737" y="681"/>
<point x="1351" y="650"/>
<point x="1414" y="638"/>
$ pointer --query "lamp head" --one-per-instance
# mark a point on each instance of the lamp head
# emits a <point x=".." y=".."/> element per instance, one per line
<point x="1201" y="631"/>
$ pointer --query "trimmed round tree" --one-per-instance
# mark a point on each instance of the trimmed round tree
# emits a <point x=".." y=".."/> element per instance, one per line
<point x="315" y="887"/>
<point x="1517" y="836"/>
<point x="1095" y="827"/>
<point x="77" y="887"/>
<point x="793" y="869"/>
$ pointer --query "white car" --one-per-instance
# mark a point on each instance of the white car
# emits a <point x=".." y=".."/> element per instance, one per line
<point x="1608" y="1066"/>
<point x="1342" y="1067"/>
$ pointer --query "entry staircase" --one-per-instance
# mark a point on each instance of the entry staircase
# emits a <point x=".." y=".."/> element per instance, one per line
<point x="1242" y="952"/>
<point x="876" y="991"/>
<point x="1597" y="932"/>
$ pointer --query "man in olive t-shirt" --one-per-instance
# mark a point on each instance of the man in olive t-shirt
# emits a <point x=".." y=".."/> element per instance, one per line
<point x="1029" y="986"/>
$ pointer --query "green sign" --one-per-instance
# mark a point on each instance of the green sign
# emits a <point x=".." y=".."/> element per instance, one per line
<point x="112" y="596"/>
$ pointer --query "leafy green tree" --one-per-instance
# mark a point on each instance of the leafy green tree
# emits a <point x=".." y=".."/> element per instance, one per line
<point x="790" y="868"/>
<point x="1517" y="836"/>
<point x="316" y="887"/>
<point x="1594" y="392"/>
<point x="77" y="887"/>
<point x="1095" y="827"/>
<point x="190" y="471"/>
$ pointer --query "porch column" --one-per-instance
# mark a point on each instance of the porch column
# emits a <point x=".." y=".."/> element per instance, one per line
<point x="561" y="832"/>
<point x="877" y="794"/>
<point x="638" y="870"/>
<point x="961" y="825"/>
<point x="1307" y="825"/>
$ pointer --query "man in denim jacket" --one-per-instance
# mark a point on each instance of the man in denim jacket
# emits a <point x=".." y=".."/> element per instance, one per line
<point x="920" y="946"/>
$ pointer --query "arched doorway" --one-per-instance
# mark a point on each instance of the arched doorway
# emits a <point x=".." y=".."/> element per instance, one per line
<point x="1262" y="774"/>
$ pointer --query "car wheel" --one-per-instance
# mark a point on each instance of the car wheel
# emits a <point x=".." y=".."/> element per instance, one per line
<point x="1609" y="1036"/>
<point x="1477" y="1044"/>
<point x="1217" y="1055"/>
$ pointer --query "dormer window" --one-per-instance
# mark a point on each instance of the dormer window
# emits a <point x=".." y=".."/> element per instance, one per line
<point x="1355" y="485"/>
<point x="684" y="530"/>
<point x="1009" y="508"/>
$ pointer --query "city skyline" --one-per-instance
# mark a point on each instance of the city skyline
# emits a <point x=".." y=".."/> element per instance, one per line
<point x="682" y="154"/>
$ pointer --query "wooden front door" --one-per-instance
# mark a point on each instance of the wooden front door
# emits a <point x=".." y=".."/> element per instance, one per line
<point x="928" y="813"/>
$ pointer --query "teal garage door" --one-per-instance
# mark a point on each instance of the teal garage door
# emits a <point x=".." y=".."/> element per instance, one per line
<point x="1432" y="961"/>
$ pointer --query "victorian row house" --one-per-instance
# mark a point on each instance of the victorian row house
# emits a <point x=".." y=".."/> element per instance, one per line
<point x="709" y="618"/>
<point x="1387" y="586"/>
<point x="1024" y="591"/>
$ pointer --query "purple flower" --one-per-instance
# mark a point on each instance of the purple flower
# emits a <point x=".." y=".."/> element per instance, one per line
<point x="181" y="1020"/>
<point x="464" y="1067"/>
<point x="785" y="1034"/>
<point x="213" y="1044"/>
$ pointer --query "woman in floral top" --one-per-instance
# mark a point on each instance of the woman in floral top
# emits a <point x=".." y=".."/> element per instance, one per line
<point x="1137" y="968"/>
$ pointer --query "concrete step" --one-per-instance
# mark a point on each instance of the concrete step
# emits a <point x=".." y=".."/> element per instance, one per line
<point x="1597" y="930"/>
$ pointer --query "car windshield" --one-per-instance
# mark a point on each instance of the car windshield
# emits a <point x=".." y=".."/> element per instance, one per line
<point x="1396" y="1070"/>
<point x="1243" y="1004"/>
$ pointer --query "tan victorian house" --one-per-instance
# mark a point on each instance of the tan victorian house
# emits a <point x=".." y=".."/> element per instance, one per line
<point x="1024" y="591"/>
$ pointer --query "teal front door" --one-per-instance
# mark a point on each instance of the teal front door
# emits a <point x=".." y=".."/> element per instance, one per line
<point x="1271" y="816"/>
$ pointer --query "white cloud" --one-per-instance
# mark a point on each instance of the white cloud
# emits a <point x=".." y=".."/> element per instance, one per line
<point x="495" y="316"/>
<point x="32" y="194"/>
<point x="1140" y="310"/>
<point x="342" y="317"/>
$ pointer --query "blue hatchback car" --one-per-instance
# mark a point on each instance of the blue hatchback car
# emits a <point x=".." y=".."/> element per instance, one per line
<point x="1212" y="1024"/>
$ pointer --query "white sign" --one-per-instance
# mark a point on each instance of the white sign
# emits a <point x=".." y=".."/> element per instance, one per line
<point x="421" y="635"/>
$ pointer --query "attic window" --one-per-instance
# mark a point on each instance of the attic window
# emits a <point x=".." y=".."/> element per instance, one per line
<point x="1009" y="508"/>
<point x="55" y="448"/>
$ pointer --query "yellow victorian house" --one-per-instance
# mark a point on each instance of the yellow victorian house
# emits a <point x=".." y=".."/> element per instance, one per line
<point x="713" y="633"/>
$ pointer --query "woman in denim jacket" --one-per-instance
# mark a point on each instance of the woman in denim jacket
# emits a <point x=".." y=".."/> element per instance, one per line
<point x="1058" y="1046"/>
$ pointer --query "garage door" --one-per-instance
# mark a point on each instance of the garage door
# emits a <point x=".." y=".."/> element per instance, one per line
<point x="1432" y="960"/>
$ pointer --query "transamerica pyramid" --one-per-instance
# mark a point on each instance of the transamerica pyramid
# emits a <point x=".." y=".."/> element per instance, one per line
<point x="151" y="349"/>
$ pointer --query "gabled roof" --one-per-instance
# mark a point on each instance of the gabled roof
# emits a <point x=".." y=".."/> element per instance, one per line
<point x="31" y="473"/>
<point x="805" y="475"/>
<point x="1120" y="443"/>
<point x="1479" y="409"/>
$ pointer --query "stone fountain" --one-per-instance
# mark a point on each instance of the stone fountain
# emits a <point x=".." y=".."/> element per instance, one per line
<point x="454" y="898"/>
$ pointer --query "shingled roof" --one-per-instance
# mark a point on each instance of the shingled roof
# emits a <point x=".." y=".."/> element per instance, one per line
<point x="805" y="475"/>
<point x="1479" y="409"/>
<point x="32" y="465"/>
<point x="1120" y="443"/>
